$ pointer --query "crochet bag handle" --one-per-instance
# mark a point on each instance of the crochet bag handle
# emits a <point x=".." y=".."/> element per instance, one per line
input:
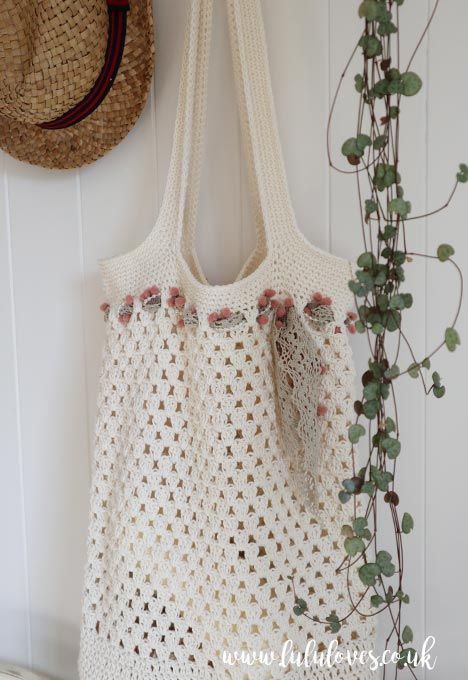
<point x="274" y="214"/>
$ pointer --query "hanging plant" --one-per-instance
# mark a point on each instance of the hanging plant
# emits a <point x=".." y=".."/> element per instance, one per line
<point x="383" y="302"/>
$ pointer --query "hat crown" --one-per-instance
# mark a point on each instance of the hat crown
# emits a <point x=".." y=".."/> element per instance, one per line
<point x="51" y="52"/>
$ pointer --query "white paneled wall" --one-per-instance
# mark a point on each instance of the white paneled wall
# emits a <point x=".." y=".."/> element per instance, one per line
<point x="55" y="225"/>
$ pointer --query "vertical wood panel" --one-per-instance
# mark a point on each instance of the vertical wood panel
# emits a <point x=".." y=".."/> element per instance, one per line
<point x="297" y="34"/>
<point x="344" y="215"/>
<point x="410" y="393"/>
<point x="46" y="268"/>
<point x="446" y="544"/>
<point x="117" y="199"/>
<point x="170" y="20"/>
<point x="14" y="592"/>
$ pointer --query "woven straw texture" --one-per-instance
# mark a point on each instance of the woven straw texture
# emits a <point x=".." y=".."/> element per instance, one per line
<point x="51" y="53"/>
<point x="221" y="434"/>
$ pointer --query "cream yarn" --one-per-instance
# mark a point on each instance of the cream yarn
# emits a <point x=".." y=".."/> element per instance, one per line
<point x="221" y="433"/>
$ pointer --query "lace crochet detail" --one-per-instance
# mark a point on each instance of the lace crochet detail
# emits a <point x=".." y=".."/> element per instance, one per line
<point x="314" y="378"/>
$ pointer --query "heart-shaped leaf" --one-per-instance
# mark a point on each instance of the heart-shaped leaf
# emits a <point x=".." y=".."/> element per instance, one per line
<point x="366" y="260"/>
<point x="360" y="526"/>
<point x="407" y="523"/>
<point x="392" y="447"/>
<point x="382" y="478"/>
<point x="355" y="432"/>
<point x="350" y="148"/>
<point x="359" y="83"/>
<point x="413" y="370"/>
<point x="369" y="9"/>
<point x="462" y="175"/>
<point x="349" y="486"/>
<point x="334" y="623"/>
<point x="372" y="46"/>
<point x="368" y="573"/>
<point x="411" y="83"/>
<point x="300" y="607"/>
<point x="407" y="635"/>
<point x="354" y="546"/>
<point x="384" y="561"/>
<point x="452" y="339"/>
<point x="445" y="251"/>
<point x="368" y="487"/>
<point x="408" y="657"/>
<point x="376" y="600"/>
<point x="392" y="372"/>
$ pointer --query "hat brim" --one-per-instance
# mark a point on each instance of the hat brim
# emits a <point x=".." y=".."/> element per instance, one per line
<point x="90" y="139"/>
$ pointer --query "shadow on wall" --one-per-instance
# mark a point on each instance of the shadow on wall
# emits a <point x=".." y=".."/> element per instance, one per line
<point x="9" y="671"/>
<point x="58" y="644"/>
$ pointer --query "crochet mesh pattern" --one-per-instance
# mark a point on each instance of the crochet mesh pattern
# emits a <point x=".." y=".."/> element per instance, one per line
<point x="219" y="448"/>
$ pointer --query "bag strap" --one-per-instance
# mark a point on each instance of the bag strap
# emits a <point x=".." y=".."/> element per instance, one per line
<point x="274" y="214"/>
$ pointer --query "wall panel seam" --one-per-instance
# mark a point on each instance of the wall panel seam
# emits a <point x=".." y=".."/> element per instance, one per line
<point x="79" y="211"/>
<point x="242" y="203"/>
<point x="156" y="190"/>
<point x="426" y="329"/>
<point x="329" y="168"/>
<point x="18" y="417"/>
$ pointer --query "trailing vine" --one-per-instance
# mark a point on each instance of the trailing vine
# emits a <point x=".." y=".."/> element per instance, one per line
<point x="382" y="300"/>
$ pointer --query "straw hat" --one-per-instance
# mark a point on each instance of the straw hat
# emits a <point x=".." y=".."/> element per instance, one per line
<point x="74" y="77"/>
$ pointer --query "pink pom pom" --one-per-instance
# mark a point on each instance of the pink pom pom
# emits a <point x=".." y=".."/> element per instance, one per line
<point x="174" y="292"/>
<point x="352" y="316"/>
<point x="104" y="307"/>
<point x="225" y="313"/>
<point x="213" y="317"/>
<point x="274" y="304"/>
<point x="144" y="295"/>
<point x="308" y="310"/>
<point x="262" y="319"/>
<point x="179" y="302"/>
<point x="351" y="328"/>
<point x="279" y="324"/>
<point x="289" y="302"/>
<point x="154" y="290"/>
<point x="129" y="300"/>
<point x="125" y="318"/>
<point x="326" y="301"/>
<point x="281" y="312"/>
<point x="269" y="293"/>
<point x="317" y="297"/>
<point x="181" y="323"/>
<point x="171" y="302"/>
<point x="322" y="410"/>
<point x="262" y="301"/>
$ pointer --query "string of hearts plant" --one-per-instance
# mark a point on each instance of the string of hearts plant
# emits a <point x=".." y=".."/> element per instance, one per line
<point x="383" y="302"/>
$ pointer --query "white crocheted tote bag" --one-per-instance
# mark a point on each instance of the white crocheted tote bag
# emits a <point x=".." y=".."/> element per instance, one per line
<point x="221" y="433"/>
